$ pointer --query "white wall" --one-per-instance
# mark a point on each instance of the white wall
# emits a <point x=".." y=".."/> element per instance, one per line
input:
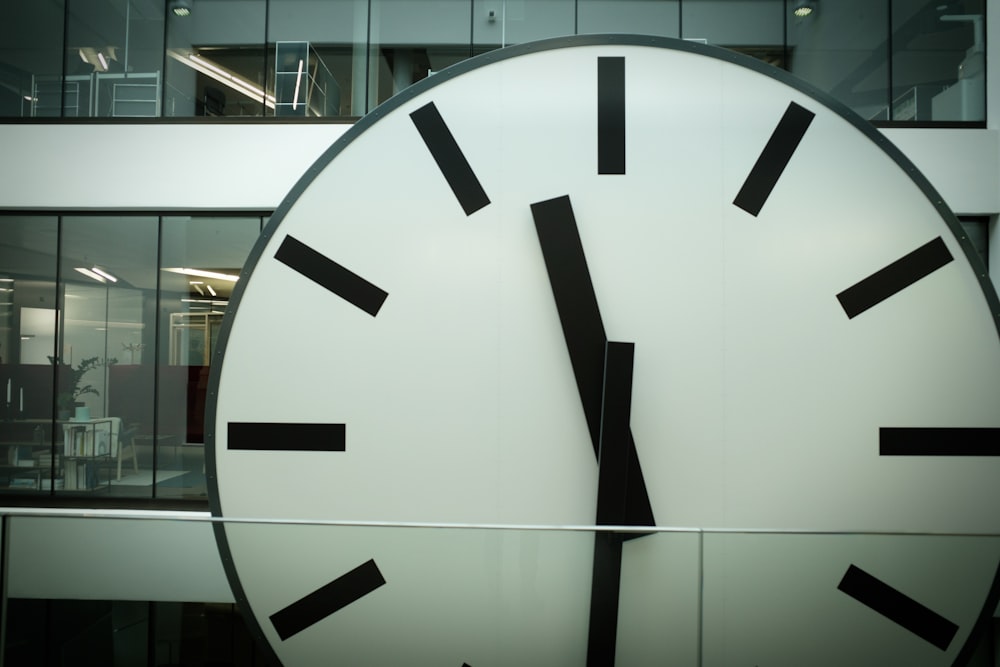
<point x="237" y="167"/>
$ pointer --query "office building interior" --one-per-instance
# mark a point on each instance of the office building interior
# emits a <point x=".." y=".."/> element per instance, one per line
<point x="146" y="143"/>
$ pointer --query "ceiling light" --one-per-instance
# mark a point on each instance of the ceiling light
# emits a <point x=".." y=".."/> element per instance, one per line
<point x="804" y="9"/>
<point x="180" y="7"/>
<point x="104" y="274"/>
<point x="205" y="274"/>
<point x="210" y="290"/>
<point x="91" y="274"/>
<point x="227" y="78"/>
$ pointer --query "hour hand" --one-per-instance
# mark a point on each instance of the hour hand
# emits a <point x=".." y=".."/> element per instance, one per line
<point x="584" y="332"/>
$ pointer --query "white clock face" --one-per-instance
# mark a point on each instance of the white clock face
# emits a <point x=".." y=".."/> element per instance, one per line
<point x="416" y="341"/>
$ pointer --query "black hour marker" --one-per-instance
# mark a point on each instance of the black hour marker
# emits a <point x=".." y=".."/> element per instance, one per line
<point x="898" y="607"/>
<point x="611" y="115"/>
<point x="450" y="159"/>
<point x="774" y="158"/>
<point x="334" y="596"/>
<point x="272" y="436"/>
<point x="939" y="441"/>
<point x="895" y="277"/>
<point x="325" y="272"/>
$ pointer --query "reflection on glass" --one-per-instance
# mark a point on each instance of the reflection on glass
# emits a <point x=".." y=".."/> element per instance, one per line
<point x="27" y="340"/>
<point x="200" y="261"/>
<point x="753" y="28"/>
<point x="938" y="60"/>
<point x="495" y="25"/>
<point x="104" y="387"/>
<point x="216" y="60"/>
<point x="113" y="59"/>
<point x="412" y="40"/>
<point x="330" y="40"/>
<point x="684" y="597"/>
<point x="855" y="70"/>
<point x="124" y="632"/>
<point x="31" y="59"/>
<point x="646" y="17"/>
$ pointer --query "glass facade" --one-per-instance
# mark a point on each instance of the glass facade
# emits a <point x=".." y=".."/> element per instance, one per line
<point x="519" y="595"/>
<point x="107" y="324"/>
<point x="127" y="633"/>
<point x="908" y="61"/>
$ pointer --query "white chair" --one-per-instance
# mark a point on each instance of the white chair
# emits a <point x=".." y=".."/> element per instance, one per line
<point x="122" y="445"/>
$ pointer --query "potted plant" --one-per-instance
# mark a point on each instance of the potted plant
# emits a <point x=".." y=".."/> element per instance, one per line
<point x="70" y="381"/>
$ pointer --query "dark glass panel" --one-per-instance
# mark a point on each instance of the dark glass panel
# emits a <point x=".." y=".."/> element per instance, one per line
<point x="28" y="315"/>
<point x="31" y="58"/>
<point x="106" y="344"/>
<point x="412" y="39"/>
<point x="201" y="259"/>
<point x="938" y="60"/>
<point x="753" y="27"/>
<point x="647" y="17"/>
<point x="114" y="58"/>
<point x="330" y="39"/>
<point x="843" y="49"/>
<point x="497" y="24"/>
<point x="216" y="61"/>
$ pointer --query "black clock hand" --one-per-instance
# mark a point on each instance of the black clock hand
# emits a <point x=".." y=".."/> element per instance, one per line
<point x="584" y="332"/>
<point x="612" y="478"/>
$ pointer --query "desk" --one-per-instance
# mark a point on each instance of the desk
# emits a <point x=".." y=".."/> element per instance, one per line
<point x="22" y="443"/>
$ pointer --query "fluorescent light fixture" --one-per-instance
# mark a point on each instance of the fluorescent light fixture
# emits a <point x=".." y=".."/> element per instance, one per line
<point x="83" y="56"/>
<point x="104" y="274"/>
<point x="223" y="76"/>
<point x="298" y="83"/>
<point x="198" y="289"/>
<point x="205" y="274"/>
<point x="103" y="60"/>
<point x="90" y="274"/>
<point x="210" y="290"/>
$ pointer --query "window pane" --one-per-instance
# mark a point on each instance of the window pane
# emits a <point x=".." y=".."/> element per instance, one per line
<point x="411" y="39"/>
<point x="842" y="48"/>
<point x="519" y="21"/>
<point x="938" y="60"/>
<point x="31" y="48"/>
<point x="647" y="17"/>
<point x="27" y="341"/>
<point x="216" y="60"/>
<point x="191" y="310"/>
<point x="331" y="39"/>
<point x="105" y="387"/>
<point x="113" y="58"/>
<point x="753" y="27"/>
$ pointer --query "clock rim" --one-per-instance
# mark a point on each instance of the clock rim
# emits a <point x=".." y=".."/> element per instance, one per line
<point x="823" y="99"/>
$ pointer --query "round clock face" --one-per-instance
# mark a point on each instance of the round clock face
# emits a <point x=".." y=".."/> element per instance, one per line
<point x="611" y="281"/>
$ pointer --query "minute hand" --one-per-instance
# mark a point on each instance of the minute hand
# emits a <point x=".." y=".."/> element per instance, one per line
<point x="583" y="329"/>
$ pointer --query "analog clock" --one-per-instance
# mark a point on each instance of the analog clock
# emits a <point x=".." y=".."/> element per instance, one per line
<point x="611" y="350"/>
